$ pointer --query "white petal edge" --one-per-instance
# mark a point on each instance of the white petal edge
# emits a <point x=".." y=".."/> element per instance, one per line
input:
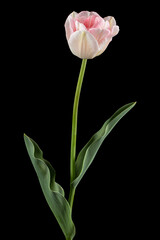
<point x="83" y="45"/>
<point x="111" y="20"/>
<point x="80" y="26"/>
<point x="115" y="30"/>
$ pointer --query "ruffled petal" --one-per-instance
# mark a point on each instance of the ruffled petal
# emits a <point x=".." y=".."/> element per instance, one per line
<point x="111" y="21"/>
<point x="115" y="30"/>
<point x="83" y="45"/>
<point x="70" y="24"/>
<point x="95" y="14"/>
<point x="83" y="14"/>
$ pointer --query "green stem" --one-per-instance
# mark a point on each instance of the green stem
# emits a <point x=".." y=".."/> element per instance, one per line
<point x="74" y="131"/>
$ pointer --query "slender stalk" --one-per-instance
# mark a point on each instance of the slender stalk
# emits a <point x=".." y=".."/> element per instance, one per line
<point x="74" y="131"/>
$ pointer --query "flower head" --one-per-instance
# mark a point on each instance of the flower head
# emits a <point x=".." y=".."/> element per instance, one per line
<point x="88" y="34"/>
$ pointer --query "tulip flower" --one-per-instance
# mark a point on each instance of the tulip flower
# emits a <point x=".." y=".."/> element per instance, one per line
<point x="88" y="34"/>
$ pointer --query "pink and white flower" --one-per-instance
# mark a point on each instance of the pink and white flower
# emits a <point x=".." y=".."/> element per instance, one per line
<point x="88" y="34"/>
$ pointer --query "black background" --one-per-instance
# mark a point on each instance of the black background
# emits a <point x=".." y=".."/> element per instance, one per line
<point x="40" y="75"/>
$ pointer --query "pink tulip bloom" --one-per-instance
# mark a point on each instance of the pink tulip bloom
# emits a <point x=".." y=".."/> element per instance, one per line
<point x="88" y="34"/>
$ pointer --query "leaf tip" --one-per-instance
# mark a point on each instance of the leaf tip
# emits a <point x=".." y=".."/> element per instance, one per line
<point x="25" y="136"/>
<point x="133" y="103"/>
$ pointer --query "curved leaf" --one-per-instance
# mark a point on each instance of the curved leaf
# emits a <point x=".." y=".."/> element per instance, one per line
<point x="52" y="191"/>
<point x="88" y="153"/>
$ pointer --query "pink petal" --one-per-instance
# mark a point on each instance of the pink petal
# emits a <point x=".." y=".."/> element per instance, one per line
<point x="98" y="22"/>
<point x="90" y="19"/>
<point x="94" y="13"/>
<point x="70" y="24"/>
<point x="83" y="14"/>
<point x="83" y="45"/>
<point x="87" y="14"/>
<point x="100" y="34"/>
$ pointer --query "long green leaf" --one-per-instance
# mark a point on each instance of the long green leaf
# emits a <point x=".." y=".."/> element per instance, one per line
<point x="88" y="153"/>
<point x="52" y="191"/>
